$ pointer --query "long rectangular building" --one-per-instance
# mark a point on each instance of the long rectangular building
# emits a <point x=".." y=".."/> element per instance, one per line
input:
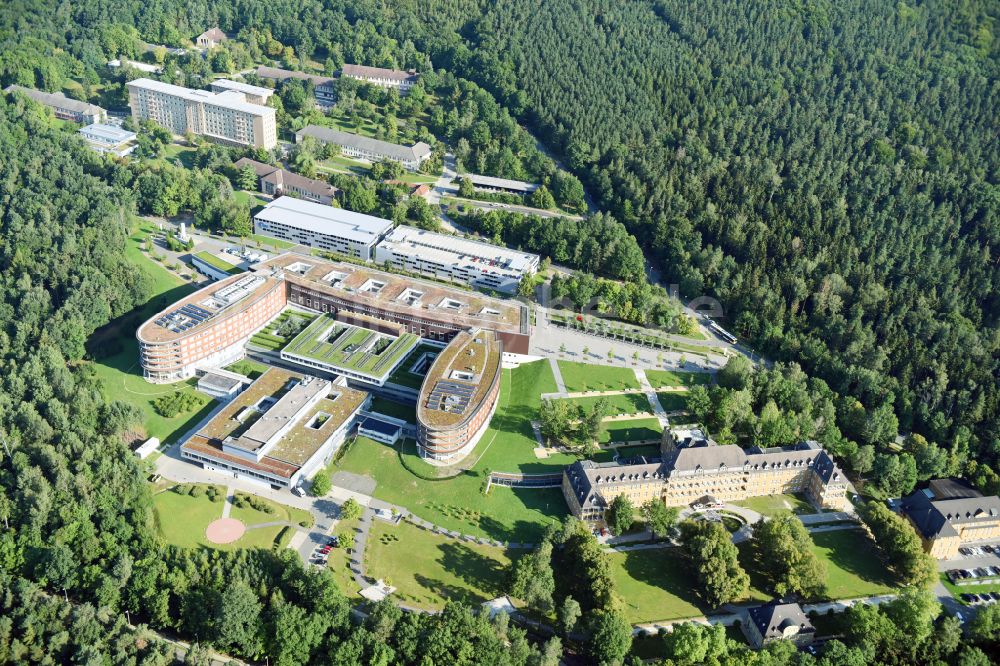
<point x="324" y="87"/>
<point x="454" y="258"/>
<point x="366" y="148"/>
<point x="380" y="76"/>
<point x="313" y="224"/>
<point x="226" y="117"/>
<point x="433" y="311"/>
<point x="693" y="466"/>
<point x="63" y="107"/>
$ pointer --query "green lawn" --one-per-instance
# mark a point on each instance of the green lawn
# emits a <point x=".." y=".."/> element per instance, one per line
<point x="631" y="430"/>
<point x="622" y="403"/>
<point x="772" y="504"/>
<point x="656" y="585"/>
<point x="182" y="520"/>
<point x="580" y="377"/>
<point x="185" y="154"/>
<point x="429" y="569"/>
<point x="395" y="409"/>
<point x="672" y="401"/>
<point x="661" y="378"/>
<point x="853" y="564"/>
<point x="116" y="352"/>
<point x="268" y="242"/>
<point x="458" y="503"/>
<point x="252" y="199"/>
<point x="248" y="368"/>
<point x="251" y="516"/>
<point x="339" y="560"/>
<point x="417" y="178"/>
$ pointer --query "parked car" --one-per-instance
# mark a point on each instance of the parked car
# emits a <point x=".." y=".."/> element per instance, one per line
<point x="995" y="595"/>
<point x="985" y="598"/>
<point x="995" y="571"/>
<point x="981" y="572"/>
<point x="697" y="506"/>
<point x="970" y="598"/>
<point x="965" y="551"/>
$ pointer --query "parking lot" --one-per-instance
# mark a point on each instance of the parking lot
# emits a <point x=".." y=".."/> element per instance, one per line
<point x="977" y="566"/>
<point x="321" y="552"/>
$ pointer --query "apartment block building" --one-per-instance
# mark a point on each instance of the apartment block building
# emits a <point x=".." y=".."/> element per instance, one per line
<point x="454" y="258"/>
<point x="226" y="117"/>
<point x="950" y="513"/>
<point x="365" y="148"/>
<point x="692" y="467"/>
<point x="63" y="107"/>
<point x="313" y="224"/>
<point x="379" y="76"/>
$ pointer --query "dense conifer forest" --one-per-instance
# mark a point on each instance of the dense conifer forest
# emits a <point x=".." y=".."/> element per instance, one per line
<point x="830" y="171"/>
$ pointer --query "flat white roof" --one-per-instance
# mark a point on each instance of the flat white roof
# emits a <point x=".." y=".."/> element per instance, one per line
<point x="109" y="133"/>
<point x="229" y="99"/>
<point x="505" y="183"/>
<point x="322" y="219"/>
<point x="239" y="86"/>
<point x="135" y="64"/>
<point x="457" y="250"/>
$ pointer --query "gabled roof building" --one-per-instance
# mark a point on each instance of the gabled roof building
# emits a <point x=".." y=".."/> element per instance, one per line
<point x="211" y="38"/>
<point x="692" y="466"/>
<point x="324" y="87"/>
<point x="276" y="181"/>
<point x="63" y="107"/>
<point x="950" y="513"/>
<point x="379" y="76"/>
<point x="366" y="148"/>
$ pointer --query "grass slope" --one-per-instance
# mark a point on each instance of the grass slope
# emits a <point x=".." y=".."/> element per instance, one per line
<point x="119" y="372"/>
<point x="579" y="377"/>
<point x="458" y="503"/>
<point x="429" y="569"/>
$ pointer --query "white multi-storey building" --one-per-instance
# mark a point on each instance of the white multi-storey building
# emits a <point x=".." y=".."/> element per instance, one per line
<point x="226" y="117"/>
<point x="313" y="224"/>
<point x="454" y="258"/>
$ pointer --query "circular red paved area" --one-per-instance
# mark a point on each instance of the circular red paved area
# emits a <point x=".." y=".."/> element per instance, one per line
<point x="224" y="530"/>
